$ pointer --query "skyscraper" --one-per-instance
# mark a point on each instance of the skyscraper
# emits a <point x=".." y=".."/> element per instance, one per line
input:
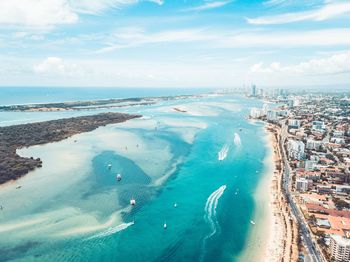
<point x="253" y="90"/>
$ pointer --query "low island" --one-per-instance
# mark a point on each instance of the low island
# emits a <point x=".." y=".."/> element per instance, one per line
<point x="13" y="166"/>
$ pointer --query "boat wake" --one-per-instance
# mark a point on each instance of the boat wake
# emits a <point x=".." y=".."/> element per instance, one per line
<point x="223" y="152"/>
<point x="237" y="140"/>
<point x="210" y="215"/>
<point x="111" y="230"/>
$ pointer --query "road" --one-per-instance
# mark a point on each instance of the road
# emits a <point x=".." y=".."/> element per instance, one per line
<point x="315" y="255"/>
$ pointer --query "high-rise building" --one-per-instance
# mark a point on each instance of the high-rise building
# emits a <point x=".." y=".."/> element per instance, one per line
<point x="340" y="248"/>
<point x="314" y="144"/>
<point x="296" y="149"/>
<point x="255" y="112"/>
<point x="272" y="115"/>
<point x="301" y="184"/>
<point x="294" y="123"/>
<point x="318" y="125"/>
<point x="253" y="93"/>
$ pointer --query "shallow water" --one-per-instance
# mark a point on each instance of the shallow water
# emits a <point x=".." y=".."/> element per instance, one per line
<point x="78" y="211"/>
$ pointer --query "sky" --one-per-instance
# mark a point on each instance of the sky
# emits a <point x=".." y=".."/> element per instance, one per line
<point x="174" y="43"/>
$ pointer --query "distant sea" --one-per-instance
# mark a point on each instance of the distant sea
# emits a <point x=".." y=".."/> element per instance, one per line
<point x="24" y="95"/>
<point x="207" y="159"/>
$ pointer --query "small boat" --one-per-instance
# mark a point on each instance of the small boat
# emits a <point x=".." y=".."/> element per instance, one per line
<point x="252" y="222"/>
<point x="175" y="205"/>
<point x="132" y="202"/>
<point x="119" y="177"/>
<point x="109" y="166"/>
<point x="165" y="225"/>
<point x="18" y="187"/>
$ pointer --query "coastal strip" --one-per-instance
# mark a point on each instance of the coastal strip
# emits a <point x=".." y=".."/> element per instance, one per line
<point x="283" y="247"/>
<point x="93" y="104"/>
<point x="13" y="166"/>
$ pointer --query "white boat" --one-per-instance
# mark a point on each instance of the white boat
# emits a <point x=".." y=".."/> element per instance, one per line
<point x="175" y="205"/>
<point x="109" y="166"/>
<point x="165" y="225"/>
<point x="132" y="202"/>
<point x="119" y="177"/>
<point x="252" y="222"/>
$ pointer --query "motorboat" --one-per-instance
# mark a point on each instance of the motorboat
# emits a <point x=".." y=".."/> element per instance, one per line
<point x="132" y="202"/>
<point x="119" y="177"/>
<point x="252" y="222"/>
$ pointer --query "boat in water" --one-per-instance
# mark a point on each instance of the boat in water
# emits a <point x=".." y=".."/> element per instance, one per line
<point x="119" y="177"/>
<point x="109" y="166"/>
<point x="132" y="202"/>
<point x="252" y="222"/>
<point x="175" y="205"/>
<point x="165" y="225"/>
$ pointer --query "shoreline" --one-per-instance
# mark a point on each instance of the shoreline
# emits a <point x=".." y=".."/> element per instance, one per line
<point x="282" y="247"/>
<point x="14" y="166"/>
<point x="268" y="224"/>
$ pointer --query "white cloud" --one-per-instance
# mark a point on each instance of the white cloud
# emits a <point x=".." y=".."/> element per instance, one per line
<point x="100" y="6"/>
<point x="43" y="13"/>
<point x="208" y="5"/>
<point x="36" y="13"/>
<point x="132" y="37"/>
<point x="335" y="64"/>
<point x="287" y="39"/>
<point x="56" y="66"/>
<point x="326" y="12"/>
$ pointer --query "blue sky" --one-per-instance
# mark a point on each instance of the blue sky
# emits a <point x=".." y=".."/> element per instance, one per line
<point x="177" y="43"/>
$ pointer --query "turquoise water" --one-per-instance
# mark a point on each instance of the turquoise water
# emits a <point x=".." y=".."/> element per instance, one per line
<point x="215" y="203"/>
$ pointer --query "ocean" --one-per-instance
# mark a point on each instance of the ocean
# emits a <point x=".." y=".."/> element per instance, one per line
<point x="196" y="171"/>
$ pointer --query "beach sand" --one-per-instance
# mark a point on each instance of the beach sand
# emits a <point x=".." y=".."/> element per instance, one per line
<point x="265" y="241"/>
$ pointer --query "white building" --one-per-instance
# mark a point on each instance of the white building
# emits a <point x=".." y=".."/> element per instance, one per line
<point x="265" y="108"/>
<point x="338" y="133"/>
<point x="313" y="144"/>
<point x="301" y="184"/>
<point x="255" y="112"/>
<point x="338" y="140"/>
<point x="296" y="149"/>
<point x="310" y="165"/>
<point x="340" y="248"/>
<point x="293" y="102"/>
<point x="315" y="158"/>
<point x="294" y="123"/>
<point x="318" y="125"/>
<point x="272" y="115"/>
